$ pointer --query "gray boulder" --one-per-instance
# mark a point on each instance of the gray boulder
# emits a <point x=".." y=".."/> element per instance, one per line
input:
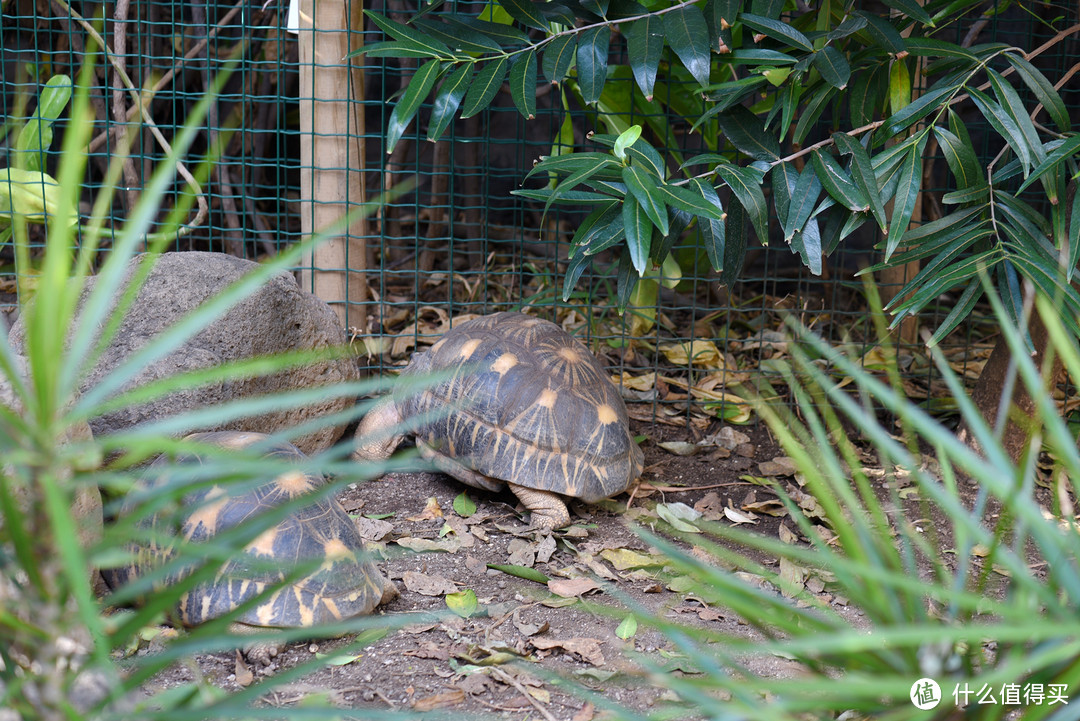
<point x="278" y="317"/>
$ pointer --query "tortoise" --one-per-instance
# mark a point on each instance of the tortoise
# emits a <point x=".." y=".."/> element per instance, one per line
<point x="314" y="552"/>
<point x="522" y="404"/>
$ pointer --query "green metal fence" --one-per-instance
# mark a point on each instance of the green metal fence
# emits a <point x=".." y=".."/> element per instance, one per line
<point x="457" y="242"/>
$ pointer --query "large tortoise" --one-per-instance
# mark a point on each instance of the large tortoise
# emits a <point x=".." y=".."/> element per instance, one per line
<point x="314" y="553"/>
<point x="522" y="403"/>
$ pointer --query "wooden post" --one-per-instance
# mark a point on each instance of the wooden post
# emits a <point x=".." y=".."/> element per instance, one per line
<point x="332" y="154"/>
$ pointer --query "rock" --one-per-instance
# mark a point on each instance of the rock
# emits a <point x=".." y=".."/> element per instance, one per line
<point x="278" y="317"/>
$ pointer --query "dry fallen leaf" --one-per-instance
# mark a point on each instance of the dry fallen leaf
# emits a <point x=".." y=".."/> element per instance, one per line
<point x="244" y="676"/>
<point x="587" y="648"/>
<point x="431" y="511"/>
<point x="585" y="713"/>
<point x="427" y="585"/>
<point x="571" y="587"/>
<point x="698" y="352"/>
<point x="449" y="544"/>
<point x="623" y="559"/>
<point x="737" y="516"/>
<point x="372" y="529"/>
<point x="440" y="700"/>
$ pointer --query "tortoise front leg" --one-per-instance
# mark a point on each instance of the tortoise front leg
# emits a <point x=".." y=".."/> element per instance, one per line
<point x="548" y="509"/>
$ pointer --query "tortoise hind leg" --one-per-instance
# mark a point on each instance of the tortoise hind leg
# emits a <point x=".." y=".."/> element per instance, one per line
<point x="548" y="509"/>
<point x="455" y="469"/>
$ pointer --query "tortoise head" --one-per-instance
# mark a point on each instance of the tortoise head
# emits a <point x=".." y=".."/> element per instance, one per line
<point x="378" y="435"/>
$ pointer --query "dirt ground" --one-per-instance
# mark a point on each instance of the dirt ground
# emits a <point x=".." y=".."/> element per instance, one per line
<point x="500" y="660"/>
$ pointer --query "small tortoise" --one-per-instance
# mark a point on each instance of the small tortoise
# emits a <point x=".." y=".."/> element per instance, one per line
<point x="314" y="553"/>
<point x="525" y="405"/>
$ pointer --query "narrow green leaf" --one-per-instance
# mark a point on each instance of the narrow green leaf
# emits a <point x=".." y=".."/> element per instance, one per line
<point x="851" y="24"/>
<point x="745" y="183"/>
<point x="458" y="38"/>
<point x="415" y="92"/>
<point x="576" y="162"/>
<point x="809" y="117"/>
<point x="592" y="62"/>
<point x="643" y="185"/>
<point x="525" y="12"/>
<point x="644" y="46"/>
<point x="936" y="48"/>
<point x="906" y="193"/>
<point x="960" y="312"/>
<point x="734" y="244"/>
<point x="630" y="136"/>
<point x="977" y="194"/>
<point x="803" y="200"/>
<point x="1067" y="149"/>
<point x="1012" y="105"/>
<point x="1074" y="237"/>
<point x="784" y="178"/>
<point x="837" y="183"/>
<point x="403" y="32"/>
<point x="644" y="153"/>
<point x="558" y="57"/>
<point x="686" y="34"/>
<point x="523" y="84"/>
<point x="639" y="231"/>
<point x="770" y="9"/>
<point x="961" y="159"/>
<point x="807" y="243"/>
<point x="500" y="33"/>
<point x="626" y="279"/>
<point x="756" y="56"/>
<point x="1043" y="91"/>
<point x="778" y="30"/>
<point x="833" y="66"/>
<point x="447" y="100"/>
<point x="747" y="133"/>
<point x="1004" y="125"/>
<point x="916" y="110"/>
<point x="606" y="236"/>
<point x="580" y="197"/>
<point x="396" y="49"/>
<point x="862" y="172"/>
<point x="867" y="95"/>
<point x="882" y="33"/>
<point x="487" y="82"/>
<point x="574" y="269"/>
<point x="726" y="12"/>
<point x="712" y="231"/>
<point x="691" y="202"/>
<point x="911" y="9"/>
<point x="596" y="7"/>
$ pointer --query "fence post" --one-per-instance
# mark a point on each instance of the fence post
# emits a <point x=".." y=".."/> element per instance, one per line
<point x="332" y="154"/>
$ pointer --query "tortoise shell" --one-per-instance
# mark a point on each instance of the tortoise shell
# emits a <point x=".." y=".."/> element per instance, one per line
<point x="525" y="402"/>
<point x="313" y="554"/>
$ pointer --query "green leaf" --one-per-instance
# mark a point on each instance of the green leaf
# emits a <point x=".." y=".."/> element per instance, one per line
<point x="1012" y="105"/>
<point x="558" y="57"/>
<point x="809" y="117"/>
<point x="803" y="200"/>
<point x="645" y="154"/>
<point x="500" y="33"/>
<point x="1004" y="125"/>
<point x="867" y="94"/>
<point x="644" y="46"/>
<point x="1074" y="237"/>
<point x="628" y="628"/>
<point x="37" y="135"/>
<point x="625" y="140"/>
<point x="580" y="197"/>
<point x="960" y="312"/>
<point x="638" y="229"/>
<point x="747" y="133"/>
<point x="933" y="47"/>
<point x="487" y="82"/>
<point x="418" y="88"/>
<point x="686" y="34"/>
<point x="643" y="185"/>
<point x="734" y="244"/>
<point x="459" y="38"/>
<point x="807" y="243"/>
<point x="837" y="183"/>
<point x="911" y="9"/>
<point x="833" y="66"/>
<point x="606" y="233"/>
<point x="447" y="100"/>
<point x="862" y="172"/>
<point x="1067" y="149"/>
<point x="961" y="159"/>
<point x="396" y="49"/>
<point x="712" y="231"/>
<point x="916" y="110"/>
<point x="464" y="506"/>
<point x="403" y="32"/>
<point x="523" y="84"/>
<point x="578" y="162"/>
<point x="523" y="572"/>
<point x="596" y="7"/>
<point x="691" y="202"/>
<point x="463" y="603"/>
<point x="778" y="30"/>
<point x="882" y="33"/>
<point x="592" y="62"/>
<point x="725" y="12"/>
<point x="525" y="12"/>
<point x="906" y="193"/>
<point x="1042" y="90"/>
<point x="745" y="183"/>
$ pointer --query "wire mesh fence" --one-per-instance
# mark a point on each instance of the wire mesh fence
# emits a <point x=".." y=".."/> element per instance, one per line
<point x="451" y="239"/>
